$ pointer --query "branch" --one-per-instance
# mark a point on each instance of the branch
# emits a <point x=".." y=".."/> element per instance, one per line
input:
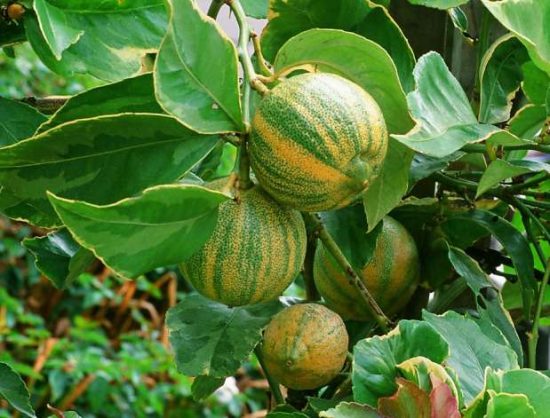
<point x="533" y="336"/>
<point x="273" y="384"/>
<point x="481" y="148"/>
<point x="333" y="248"/>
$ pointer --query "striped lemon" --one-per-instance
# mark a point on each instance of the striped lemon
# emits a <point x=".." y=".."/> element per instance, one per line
<point x="391" y="275"/>
<point x="317" y="142"/>
<point x="305" y="346"/>
<point x="256" y="250"/>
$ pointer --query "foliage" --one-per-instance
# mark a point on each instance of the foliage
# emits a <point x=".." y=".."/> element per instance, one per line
<point x="103" y="193"/>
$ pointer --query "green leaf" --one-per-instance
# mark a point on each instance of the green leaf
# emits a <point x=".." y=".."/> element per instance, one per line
<point x="132" y="95"/>
<point x="536" y="84"/>
<point x="363" y="17"/>
<point x="10" y="34"/>
<point x="408" y="401"/>
<point x="106" y="39"/>
<point x="162" y="226"/>
<point x="376" y="358"/>
<point x="204" y="386"/>
<point x="500" y="170"/>
<point x="350" y="410"/>
<point x="445" y="120"/>
<point x="67" y="414"/>
<point x="17" y="121"/>
<point x="13" y="389"/>
<point x="386" y="191"/>
<point x="459" y="19"/>
<point x="255" y="8"/>
<point x="506" y="405"/>
<point x="500" y="74"/>
<point x="528" y="121"/>
<point x="471" y="351"/>
<point x="212" y="339"/>
<point x="196" y="77"/>
<point x="439" y="4"/>
<point x="59" y="257"/>
<point x="492" y="307"/>
<point x="355" y="58"/>
<point x="349" y="228"/>
<point x="515" y="245"/>
<point x="99" y="160"/>
<point x="525" y="18"/>
<point x="285" y="411"/>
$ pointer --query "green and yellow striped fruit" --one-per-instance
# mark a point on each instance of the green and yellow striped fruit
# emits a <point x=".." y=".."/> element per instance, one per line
<point x="305" y="346"/>
<point x="391" y="275"/>
<point x="256" y="250"/>
<point x="317" y="142"/>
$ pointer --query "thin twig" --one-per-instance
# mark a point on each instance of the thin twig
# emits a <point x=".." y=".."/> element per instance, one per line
<point x="533" y="335"/>
<point x="273" y="384"/>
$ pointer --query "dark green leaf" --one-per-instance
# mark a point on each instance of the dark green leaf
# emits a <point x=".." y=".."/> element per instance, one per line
<point x="365" y="18"/>
<point x="212" y="339"/>
<point x="17" y="121"/>
<point x="204" y="386"/>
<point x="54" y="255"/>
<point x="500" y="170"/>
<point x="319" y="404"/>
<point x="355" y="58"/>
<point x="132" y="95"/>
<point x="515" y="245"/>
<point x="107" y="39"/>
<point x="196" y="77"/>
<point x="500" y="75"/>
<point x="390" y="186"/>
<point x="459" y="19"/>
<point x="351" y="410"/>
<point x="524" y="19"/>
<point x="376" y="358"/>
<point x="67" y="414"/>
<point x="255" y="8"/>
<point x="349" y="228"/>
<point x="13" y="389"/>
<point x="471" y="351"/>
<point x="424" y="166"/>
<point x="492" y="306"/>
<point x="10" y="34"/>
<point x="286" y="411"/>
<point x="439" y="4"/>
<point x="445" y="120"/>
<point x="99" y="160"/>
<point x="162" y="226"/>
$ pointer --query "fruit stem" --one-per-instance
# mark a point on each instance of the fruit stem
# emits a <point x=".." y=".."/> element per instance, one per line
<point x="312" y="294"/>
<point x="244" y="165"/>
<point x="214" y="8"/>
<point x="242" y="48"/>
<point x="332" y="247"/>
<point x="273" y="384"/>
<point x="533" y="335"/>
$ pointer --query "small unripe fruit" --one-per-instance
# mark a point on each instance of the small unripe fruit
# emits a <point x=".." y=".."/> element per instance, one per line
<point x="305" y="346"/>
<point x="15" y="11"/>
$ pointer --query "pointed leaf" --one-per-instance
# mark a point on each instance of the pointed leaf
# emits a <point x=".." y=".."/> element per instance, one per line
<point x="525" y="18"/>
<point x="212" y="339"/>
<point x="506" y="405"/>
<point x="132" y="95"/>
<point x="445" y="120"/>
<point x="500" y="75"/>
<point x="17" y="121"/>
<point x="101" y="160"/>
<point x="492" y="307"/>
<point x="375" y="359"/>
<point x="500" y="170"/>
<point x="163" y="226"/>
<point x="196" y="77"/>
<point x="59" y="257"/>
<point x="106" y="38"/>
<point x="13" y="389"/>
<point x="204" y="386"/>
<point x="350" y="410"/>
<point x="355" y="58"/>
<point x="471" y="351"/>
<point x="386" y="191"/>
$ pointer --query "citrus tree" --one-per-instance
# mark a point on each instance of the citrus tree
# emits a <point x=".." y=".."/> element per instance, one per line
<point x="386" y="156"/>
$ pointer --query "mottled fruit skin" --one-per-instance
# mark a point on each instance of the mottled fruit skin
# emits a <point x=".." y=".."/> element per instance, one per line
<point x="391" y="276"/>
<point x="256" y="250"/>
<point x="317" y="142"/>
<point x="305" y="346"/>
